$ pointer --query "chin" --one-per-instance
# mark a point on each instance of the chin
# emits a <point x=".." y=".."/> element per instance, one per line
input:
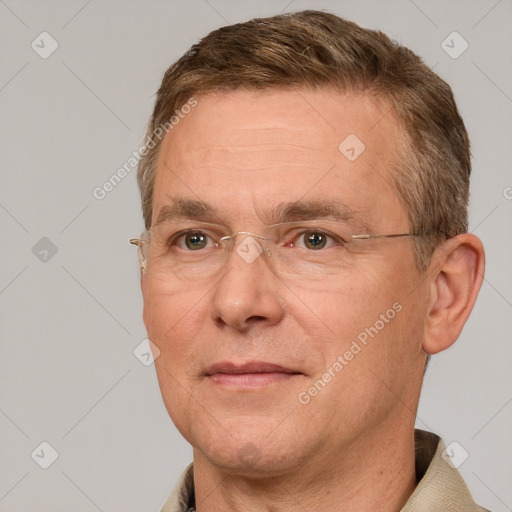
<point x="252" y="460"/>
<point x="250" y="447"/>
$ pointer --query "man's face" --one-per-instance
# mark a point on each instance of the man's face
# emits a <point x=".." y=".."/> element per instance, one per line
<point x="245" y="155"/>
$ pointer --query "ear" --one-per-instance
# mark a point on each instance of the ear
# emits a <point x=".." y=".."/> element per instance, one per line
<point x="456" y="273"/>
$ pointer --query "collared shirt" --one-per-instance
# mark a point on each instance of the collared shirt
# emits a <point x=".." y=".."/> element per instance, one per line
<point x="440" y="487"/>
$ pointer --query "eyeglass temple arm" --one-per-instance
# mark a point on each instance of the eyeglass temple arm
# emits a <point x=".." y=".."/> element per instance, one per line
<point x="395" y="235"/>
<point x="137" y="241"/>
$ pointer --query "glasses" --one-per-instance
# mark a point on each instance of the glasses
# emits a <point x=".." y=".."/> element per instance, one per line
<point x="189" y="250"/>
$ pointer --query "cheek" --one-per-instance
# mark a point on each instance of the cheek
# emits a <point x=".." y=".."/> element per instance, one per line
<point x="173" y="322"/>
<point x="173" y="318"/>
<point x="362" y="317"/>
<point x="369" y="350"/>
<point x="343" y="308"/>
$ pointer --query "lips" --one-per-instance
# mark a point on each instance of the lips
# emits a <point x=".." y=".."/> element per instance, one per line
<point x="250" y="367"/>
<point x="250" y="375"/>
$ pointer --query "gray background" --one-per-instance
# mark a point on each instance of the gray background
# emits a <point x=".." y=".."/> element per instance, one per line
<point x="71" y="320"/>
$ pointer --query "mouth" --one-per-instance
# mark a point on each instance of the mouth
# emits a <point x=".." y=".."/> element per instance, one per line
<point x="250" y="375"/>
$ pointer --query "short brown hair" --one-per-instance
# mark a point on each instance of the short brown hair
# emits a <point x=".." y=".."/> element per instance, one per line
<point x="314" y="49"/>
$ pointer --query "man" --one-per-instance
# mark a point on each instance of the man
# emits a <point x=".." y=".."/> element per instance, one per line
<point x="305" y="186"/>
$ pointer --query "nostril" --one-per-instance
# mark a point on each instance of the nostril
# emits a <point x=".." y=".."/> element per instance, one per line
<point x="255" y="318"/>
<point x="221" y="322"/>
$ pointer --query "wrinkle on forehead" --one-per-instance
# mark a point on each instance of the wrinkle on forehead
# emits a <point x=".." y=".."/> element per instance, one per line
<point x="255" y="158"/>
<point x="241" y="148"/>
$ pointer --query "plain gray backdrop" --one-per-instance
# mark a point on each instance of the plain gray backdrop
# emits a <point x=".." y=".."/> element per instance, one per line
<point x="69" y="280"/>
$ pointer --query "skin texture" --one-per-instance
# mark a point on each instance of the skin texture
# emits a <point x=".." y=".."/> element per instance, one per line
<point x="260" y="449"/>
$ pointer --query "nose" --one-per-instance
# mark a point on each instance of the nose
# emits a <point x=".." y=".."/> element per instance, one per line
<point x="247" y="293"/>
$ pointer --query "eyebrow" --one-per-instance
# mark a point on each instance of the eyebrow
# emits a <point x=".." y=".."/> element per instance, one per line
<point x="185" y="209"/>
<point x="311" y="210"/>
<point x="181" y="208"/>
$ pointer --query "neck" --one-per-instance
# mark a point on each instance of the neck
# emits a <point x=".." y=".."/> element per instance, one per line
<point x="376" y="472"/>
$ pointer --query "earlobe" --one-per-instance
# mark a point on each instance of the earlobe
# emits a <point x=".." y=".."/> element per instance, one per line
<point x="456" y="274"/>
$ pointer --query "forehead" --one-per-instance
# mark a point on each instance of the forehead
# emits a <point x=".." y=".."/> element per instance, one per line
<point x="245" y="150"/>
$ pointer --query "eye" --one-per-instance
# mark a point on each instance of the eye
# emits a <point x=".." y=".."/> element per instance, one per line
<point x="193" y="241"/>
<point x="315" y="240"/>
